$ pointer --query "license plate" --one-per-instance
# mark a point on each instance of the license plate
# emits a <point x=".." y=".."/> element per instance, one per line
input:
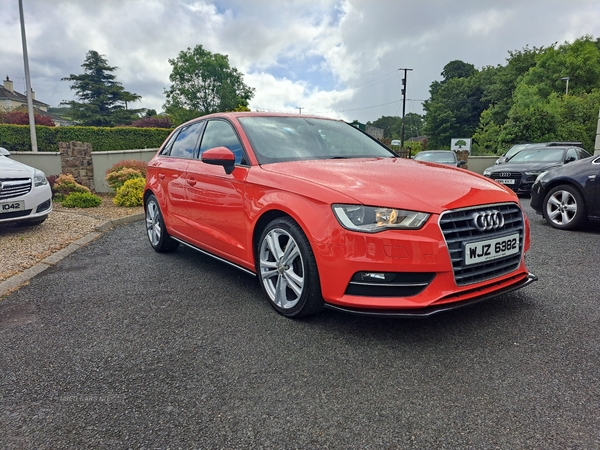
<point x="483" y="251"/>
<point x="12" y="206"/>
<point x="506" y="181"/>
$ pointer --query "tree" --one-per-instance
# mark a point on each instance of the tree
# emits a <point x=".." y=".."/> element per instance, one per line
<point x="103" y="100"/>
<point x="392" y="125"/>
<point x="204" y="83"/>
<point x="454" y="107"/>
<point x="537" y="109"/>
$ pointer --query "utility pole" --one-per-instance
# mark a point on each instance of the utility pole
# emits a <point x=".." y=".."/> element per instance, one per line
<point x="403" y="110"/>
<point x="28" y="83"/>
<point x="300" y="108"/>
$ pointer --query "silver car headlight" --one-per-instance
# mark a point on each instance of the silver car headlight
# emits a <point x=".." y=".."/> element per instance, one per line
<point x="487" y="172"/>
<point x="39" y="178"/>
<point x="534" y="172"/>
<point x="371" y="219"/>
<point x="539" y="177"/>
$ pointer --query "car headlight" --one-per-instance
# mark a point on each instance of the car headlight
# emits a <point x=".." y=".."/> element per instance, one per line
<point x="533" y="172"/>
<point x="370" y="219"/>
<point x="39" y="179"/>
<point x="487" y="172"/>
<point x="539" y="177"/>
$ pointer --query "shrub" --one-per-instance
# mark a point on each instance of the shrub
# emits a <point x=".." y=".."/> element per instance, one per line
<point x="131" y="193"/>
<point x="81" y="200"/>
<point x="52" y="180"/>
<point x="153" y="122"/>
<point x="116" y="179"/>
<point x="129" y="164"/>
<point x="65" y="185"/>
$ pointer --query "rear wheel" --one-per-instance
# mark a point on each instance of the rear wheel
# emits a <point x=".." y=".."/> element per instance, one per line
<point x="155" y="227"/>
<point x="564" y="207"/>
<point x="287" y="269"/>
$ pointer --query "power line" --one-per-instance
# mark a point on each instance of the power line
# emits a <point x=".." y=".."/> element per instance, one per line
<point x="258" y="108"/>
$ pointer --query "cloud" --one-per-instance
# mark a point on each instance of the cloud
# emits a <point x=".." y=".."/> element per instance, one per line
<point x="334" y="57"/>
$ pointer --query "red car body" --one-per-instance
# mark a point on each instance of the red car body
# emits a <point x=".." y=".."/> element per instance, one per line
<point x="222" y="209"/>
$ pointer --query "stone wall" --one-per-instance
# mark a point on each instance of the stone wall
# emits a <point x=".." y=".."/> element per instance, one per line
<point x="76" y="158"/>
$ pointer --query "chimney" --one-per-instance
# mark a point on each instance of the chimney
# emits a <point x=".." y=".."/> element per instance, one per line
<point x="8" y="85"/>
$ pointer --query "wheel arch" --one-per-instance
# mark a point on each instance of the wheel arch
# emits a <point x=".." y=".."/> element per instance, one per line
<point x="562" y="182"/>
<point x="262" y="223"/>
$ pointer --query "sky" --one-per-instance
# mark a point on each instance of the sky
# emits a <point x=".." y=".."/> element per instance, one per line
<point x="334" y="58"/>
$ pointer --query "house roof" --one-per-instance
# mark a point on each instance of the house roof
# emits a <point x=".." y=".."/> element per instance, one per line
<point x="15" y="96"/>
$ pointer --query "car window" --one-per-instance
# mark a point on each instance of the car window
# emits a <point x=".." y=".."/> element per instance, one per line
<point x="167" y="147"/>
<point x="540" y="155"/>
<point x="187" y="140"/>
<point x="571" y="155"/>
<point x="278" y="139"/>
<point x="515" y="149"/>
<point x="582" y="153"/>
<point x="219" y="133"/>
<point x="448" y="158"/>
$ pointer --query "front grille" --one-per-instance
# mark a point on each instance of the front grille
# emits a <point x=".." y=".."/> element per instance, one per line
<point x="389" y="284"/>
<point x="459" y="229"/>
<point x="12" y="188"/>
<point x="506" y="175"/>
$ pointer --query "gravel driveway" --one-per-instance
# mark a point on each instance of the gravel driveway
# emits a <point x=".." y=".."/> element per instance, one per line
<point x="121" y="347"/>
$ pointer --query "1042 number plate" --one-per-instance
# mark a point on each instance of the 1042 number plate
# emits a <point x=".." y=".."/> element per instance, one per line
<point x="483" y="251"/>
<point x="12" y="206"/>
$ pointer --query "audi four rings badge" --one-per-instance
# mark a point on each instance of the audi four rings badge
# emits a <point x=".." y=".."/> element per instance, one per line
<point x="488" y="220"/>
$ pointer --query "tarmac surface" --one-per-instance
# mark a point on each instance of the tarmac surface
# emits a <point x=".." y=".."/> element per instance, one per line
<point x="118" y="346"/>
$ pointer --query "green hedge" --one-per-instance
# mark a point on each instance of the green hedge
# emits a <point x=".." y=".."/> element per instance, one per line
<point x="16" y="138"/>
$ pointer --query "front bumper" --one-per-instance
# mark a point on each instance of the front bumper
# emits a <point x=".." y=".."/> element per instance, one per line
<point x="437" y="308"/>
<point x="36" y="204"/>
<point x="423" y="270"/>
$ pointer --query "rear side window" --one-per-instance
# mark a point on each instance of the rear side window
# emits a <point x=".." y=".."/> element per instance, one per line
<point x="186" y="142"/>
<point x="219" y="133"/>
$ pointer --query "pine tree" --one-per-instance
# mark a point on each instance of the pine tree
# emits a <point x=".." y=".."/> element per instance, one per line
<point x="102" y="100"/>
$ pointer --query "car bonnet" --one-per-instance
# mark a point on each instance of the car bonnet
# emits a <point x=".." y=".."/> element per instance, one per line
<point x="397" y="183"/>
<point x="14" y="169"/>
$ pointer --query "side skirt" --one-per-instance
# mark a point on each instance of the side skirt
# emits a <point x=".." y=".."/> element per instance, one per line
<point x="193" y="247"/>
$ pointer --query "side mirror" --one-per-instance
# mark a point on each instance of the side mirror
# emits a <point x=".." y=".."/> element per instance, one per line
<point x="461" y="162"/>
<point x="219" y="156"/>
<point x="4" y="152"/>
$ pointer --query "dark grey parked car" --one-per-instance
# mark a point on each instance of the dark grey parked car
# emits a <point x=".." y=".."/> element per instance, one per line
<point x="447" y="157"/>
<point x="518" y="147"/>
<point x="521" y="171"/>
<point x="569" y="195"/>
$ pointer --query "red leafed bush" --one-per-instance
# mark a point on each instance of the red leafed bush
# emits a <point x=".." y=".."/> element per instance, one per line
<point x="153" y="122"/>
<point x="21" y="118"/>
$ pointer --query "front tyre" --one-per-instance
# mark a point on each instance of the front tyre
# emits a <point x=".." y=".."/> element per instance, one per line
<point x="564" y="207"/>
<point x="155" y="227"/>
<point x="287" y="269"/>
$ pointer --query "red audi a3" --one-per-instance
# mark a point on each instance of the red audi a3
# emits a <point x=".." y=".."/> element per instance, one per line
<point x="326" y="216"/>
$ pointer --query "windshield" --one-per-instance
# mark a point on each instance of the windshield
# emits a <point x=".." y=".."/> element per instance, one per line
<point x="545" y="154"/>
<point x="279" y="139"/>
<point x="439" y="157"/>
<point x="515" y="149"/>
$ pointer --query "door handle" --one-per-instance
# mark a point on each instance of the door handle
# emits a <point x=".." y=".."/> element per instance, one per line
<point x="191" y="181"/>
<point x="161" y="176"/>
